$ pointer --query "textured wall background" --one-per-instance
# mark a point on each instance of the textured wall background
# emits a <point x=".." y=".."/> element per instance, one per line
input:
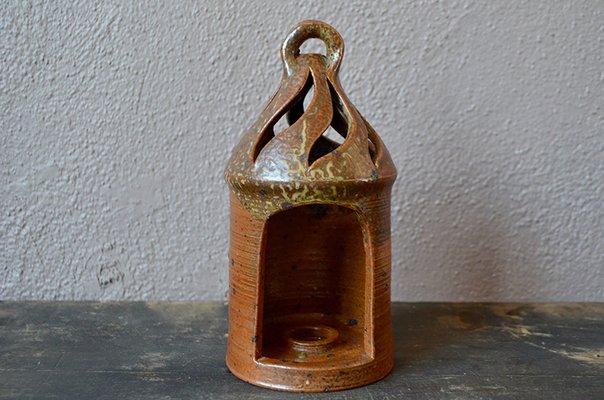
<point x="117" y="120"/>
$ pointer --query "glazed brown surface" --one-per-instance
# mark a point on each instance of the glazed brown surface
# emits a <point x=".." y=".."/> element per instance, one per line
<point x="310" y="235"/>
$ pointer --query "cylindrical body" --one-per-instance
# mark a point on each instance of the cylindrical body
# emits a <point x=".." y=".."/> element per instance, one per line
<point x="300" y="273"/>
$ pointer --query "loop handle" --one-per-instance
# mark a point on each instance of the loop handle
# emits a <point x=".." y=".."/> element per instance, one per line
<point x="334" y="44"/>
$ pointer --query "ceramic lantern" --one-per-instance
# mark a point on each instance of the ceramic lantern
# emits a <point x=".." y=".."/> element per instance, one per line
<point x="309" y="296"/>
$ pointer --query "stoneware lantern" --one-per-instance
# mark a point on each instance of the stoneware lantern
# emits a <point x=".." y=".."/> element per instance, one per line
<point x="309" y="296"/>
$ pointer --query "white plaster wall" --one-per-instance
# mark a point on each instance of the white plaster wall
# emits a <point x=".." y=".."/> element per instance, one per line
<point x="117" y="120"/>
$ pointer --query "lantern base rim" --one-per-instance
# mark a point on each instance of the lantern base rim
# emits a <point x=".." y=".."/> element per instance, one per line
<point x="303" y="378"/>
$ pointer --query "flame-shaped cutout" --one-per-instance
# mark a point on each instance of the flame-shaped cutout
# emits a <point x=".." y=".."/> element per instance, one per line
<point x="291" y="114"/>
<point x="324" y="144"/>
<point x="373" y="150"/>
<point x="373" y="142"/>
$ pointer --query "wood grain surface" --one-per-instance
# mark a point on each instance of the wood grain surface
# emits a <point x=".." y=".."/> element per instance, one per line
<point x="63" y="350"/>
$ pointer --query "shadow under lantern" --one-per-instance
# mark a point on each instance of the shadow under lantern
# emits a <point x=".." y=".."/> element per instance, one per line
<point x="310" y="258"/>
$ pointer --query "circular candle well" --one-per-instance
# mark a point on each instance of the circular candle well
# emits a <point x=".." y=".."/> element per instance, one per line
<point x="312" y="338"/>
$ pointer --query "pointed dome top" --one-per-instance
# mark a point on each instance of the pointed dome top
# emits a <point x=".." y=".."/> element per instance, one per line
<point x="302" y="154"/>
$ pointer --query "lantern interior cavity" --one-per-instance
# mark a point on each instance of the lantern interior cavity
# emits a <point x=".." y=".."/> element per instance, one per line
<point x="315" y="288"/>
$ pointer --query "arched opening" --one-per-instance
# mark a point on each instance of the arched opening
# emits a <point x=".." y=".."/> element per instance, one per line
<point x="314" y="286"/>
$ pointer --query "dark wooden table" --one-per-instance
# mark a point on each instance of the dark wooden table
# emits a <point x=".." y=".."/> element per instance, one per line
<point x="114" y="351"/>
